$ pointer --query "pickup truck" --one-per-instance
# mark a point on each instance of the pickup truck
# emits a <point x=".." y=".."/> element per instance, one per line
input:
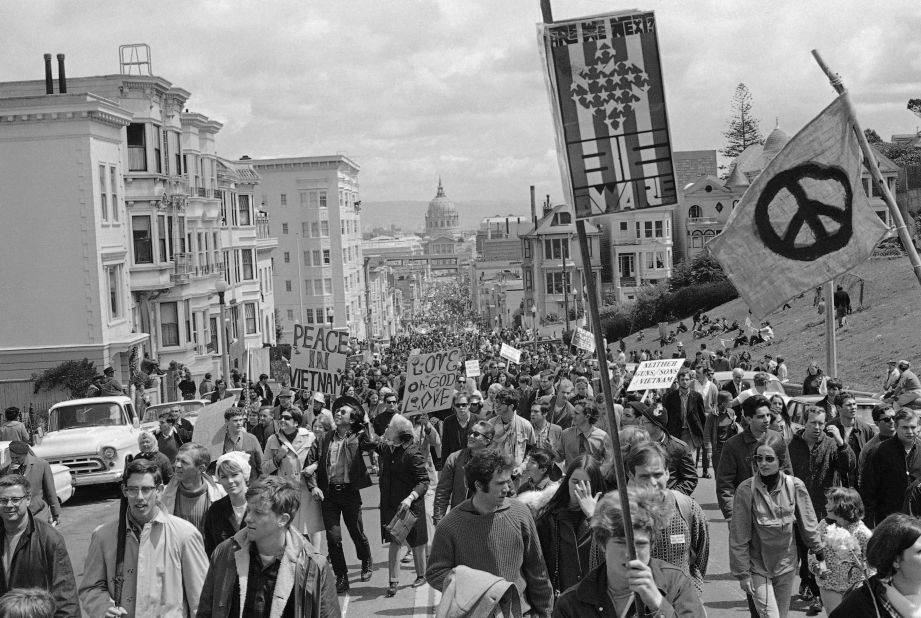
<point x="91" y="437"/>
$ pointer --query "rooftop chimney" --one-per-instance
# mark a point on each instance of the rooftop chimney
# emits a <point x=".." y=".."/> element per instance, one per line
<point x="49" y="81"/>
<point x="547" y="207"/>
<point x="62" y="78"/>
<point x="533" y="203"/>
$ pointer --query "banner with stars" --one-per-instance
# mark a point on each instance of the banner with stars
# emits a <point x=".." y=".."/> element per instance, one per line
<point x="604" y="79"/>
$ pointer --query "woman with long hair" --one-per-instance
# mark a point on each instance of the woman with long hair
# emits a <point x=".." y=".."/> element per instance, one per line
<point x="813" y="379"/>
<point x="781" y="422"/>
<point x="745" y="361"/>
<point x="563" y="526"/>
<point x="762" y="549"/>
<point x="894" y="551"/>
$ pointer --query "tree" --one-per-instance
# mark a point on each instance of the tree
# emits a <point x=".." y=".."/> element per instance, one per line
<point x="701" y="269"/>
<point x="872" y="136"/>
<point x="743" y="129"/>
<point x="75" y="376"/>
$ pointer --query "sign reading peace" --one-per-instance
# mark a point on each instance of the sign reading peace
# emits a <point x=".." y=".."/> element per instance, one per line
<point x="806" y="212"/>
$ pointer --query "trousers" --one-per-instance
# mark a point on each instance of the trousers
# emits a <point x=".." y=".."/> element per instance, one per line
<point x="344" y="505"/>
<point x="772" y="596"/>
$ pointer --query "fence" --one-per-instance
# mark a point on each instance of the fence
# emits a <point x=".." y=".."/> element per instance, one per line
<point x="21" y="393"/>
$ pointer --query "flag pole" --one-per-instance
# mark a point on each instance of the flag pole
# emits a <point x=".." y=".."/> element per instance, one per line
<point x="619" y="471"/>
<point x="831" y="344"/>
<point x="869" y="159"/>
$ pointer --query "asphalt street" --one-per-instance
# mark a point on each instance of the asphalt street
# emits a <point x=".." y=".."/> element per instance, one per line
<point x="722" y="596"/>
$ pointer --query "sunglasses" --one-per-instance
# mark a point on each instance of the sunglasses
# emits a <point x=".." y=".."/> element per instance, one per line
<point x="286" y="417"/>
<point x="463" y="405"/>
<point x="887" y="419"/>
<point x="477" y="434"/>
<point x="765" y="458"/>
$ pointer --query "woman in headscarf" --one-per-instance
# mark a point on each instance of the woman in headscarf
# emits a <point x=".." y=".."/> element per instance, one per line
<point x="228" y="515"/>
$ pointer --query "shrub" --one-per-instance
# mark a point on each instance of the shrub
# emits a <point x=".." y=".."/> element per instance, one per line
<point x="75" y="376"/>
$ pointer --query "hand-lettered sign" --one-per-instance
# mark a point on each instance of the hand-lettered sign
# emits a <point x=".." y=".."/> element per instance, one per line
<point x="430" y="381"/>
<point x="319" y="356"/>
<point x="511" y="354"/>
<point x="655" y="374"/>
<point x="472" y="368"/>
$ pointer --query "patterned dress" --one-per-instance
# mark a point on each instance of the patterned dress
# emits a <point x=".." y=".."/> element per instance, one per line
<point x="845" y="569"/>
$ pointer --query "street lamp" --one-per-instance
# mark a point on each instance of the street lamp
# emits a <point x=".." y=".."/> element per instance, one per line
<point x="534" y="317"/>
<point x="221" y="287"/>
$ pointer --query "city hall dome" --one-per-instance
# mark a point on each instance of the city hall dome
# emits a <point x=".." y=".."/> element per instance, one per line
<point x="441" y="219"/>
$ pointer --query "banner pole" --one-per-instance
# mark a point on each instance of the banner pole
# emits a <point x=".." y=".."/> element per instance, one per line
<point x="869" y="159"/>
<point x="831" y="344"/>
<point x="618" y="458"/>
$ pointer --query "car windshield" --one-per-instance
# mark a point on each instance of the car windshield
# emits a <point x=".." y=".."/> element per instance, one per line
<point x="88" y="415"/>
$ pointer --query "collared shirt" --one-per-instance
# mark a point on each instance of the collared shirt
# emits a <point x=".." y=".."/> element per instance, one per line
<point x="574" y="443"/>
<point x="514" y="437"/>
<point x="233" y="445"/>
<point x="339" y="459"/>
<point x="260" y="588"/>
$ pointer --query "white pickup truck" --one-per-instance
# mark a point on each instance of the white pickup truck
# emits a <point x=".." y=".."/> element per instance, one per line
<point x="91" y="437"/>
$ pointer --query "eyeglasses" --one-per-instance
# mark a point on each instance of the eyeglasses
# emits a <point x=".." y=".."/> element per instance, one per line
<point x="391" y="401"/>
<point x="134" y="492"/>
<point x="463" y="405"/>
<point x="477" y="434"/>
<point x="286" y="417"/>
<point x="887" y="419"/>
<point x="765" y="458"/>
<point x="12" y="501"/>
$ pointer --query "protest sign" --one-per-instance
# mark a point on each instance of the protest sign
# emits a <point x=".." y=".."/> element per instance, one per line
<point x="319" y="356"/>
<point x="430" y="381"/>
<point x="584" y="340"/>
<point x="655" y="374"/>
<point x="511" y="354"/>
<point x="472" y="368"/>
<point x="209" y="429"/>
<point x="604" y="79"/>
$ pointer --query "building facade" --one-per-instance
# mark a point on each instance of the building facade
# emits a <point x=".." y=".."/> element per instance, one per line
<point x="315" y="210"/>
<point x="497" y="239"/>
<point x="441" y="218"/>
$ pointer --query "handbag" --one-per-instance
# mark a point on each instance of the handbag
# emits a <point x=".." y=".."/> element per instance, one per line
<point x="401" y="525"/>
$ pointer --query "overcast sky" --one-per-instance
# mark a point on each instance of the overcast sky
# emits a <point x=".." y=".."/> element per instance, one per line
<point x="416" y="89"/>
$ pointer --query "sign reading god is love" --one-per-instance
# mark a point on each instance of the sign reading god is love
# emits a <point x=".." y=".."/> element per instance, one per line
<point x="430" y="381"/>
<point x="655" y="374"/>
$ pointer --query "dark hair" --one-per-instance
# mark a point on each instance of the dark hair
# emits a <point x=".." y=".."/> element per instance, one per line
<point x="834" y="383"/>
<point x="776" y="444"/>
<point x="589" y="409"/>
<point x="878" y="411"/>
<point x="751" y="405"/>
<point x="543" y="457"/>
<point x="485" y="427"/>
<point x="843" y="396"/>
<point x="642" y="453"/>
<point x="14" y="480"/>
<point x="296" y="414"/>
<point x="142" y="466"/>
<point x="890" y="538"/>
<point x="483" y="466"/>
<point x="230" y="413"/>
<point x="723" y="397"/>
<point x="905" y="413"/>
<point x="27" y="603"/>
<point x="508" y="397"/>
<point x="684" y="371"/>
<point x="845" y="503"/>
<point x="279" y="493"/>
<point x="11" y="413"/>
<point x="592" y="467"/>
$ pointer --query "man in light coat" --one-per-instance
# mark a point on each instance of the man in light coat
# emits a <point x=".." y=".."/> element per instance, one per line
<point x="164" y="562"/>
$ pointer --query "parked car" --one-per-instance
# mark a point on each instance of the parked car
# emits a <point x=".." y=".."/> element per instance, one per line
<point x="188" y="408"/>
<point x="91" y="437"/>
<point x="63" y="476"/>
<point x="774" y="385"/>
<point x="231" y="392"/>
<point x="797" y="407"/>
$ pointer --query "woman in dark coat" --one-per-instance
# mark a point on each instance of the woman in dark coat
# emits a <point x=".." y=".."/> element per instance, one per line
<point x="403" y="483"/>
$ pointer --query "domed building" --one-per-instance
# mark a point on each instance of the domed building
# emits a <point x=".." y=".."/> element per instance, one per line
<point x="757" y="156"/>
<point x="441" y="219"/>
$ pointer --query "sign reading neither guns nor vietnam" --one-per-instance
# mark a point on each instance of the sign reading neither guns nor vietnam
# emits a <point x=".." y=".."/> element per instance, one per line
<point x="430" y="381"/>
<point x="655" y="374"/>
<point x="318" y="358"/>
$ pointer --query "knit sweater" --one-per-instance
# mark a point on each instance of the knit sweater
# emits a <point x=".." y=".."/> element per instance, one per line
<point x="503" y="543"/>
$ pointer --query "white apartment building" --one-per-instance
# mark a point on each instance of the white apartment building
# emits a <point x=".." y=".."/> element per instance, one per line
<point x="153" y="219"/>
<point x="315" y="209"/>
<point x="640" y="242"/>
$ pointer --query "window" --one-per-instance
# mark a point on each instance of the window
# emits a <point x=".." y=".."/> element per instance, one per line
<point x="158" y="143"/>
<point x="249" y="273"/>
<point x="558" y="282"/>
<point x="528" y="280"/>
<point x="249" y="315"/>
<point x="103" y="196"/>
<point x="187" y="305"/>
<point x="325" y="256"/>
<point x="527" y="248"/>
<point x="623" y="226"/>
<point x="137" y="147"/>
<point x="114" y="282"/>
<point x="638" y="230"/>
<point x="327" y="286"/>
<point x="316" y="257"/>
<point x="324" y="228"/>
<point x="162" y="238"/>
<point x="211" y="335"/>
<point x="694" y="212"/>
<point x="314" y="230"/>
<point x="113" y="188"/>
<point x="650" y="259"/>
<point x="556" y="248"/>
<point x="659" y="230"/>
<point x="287" y="285"/>
<point x="306" y="258"/>
<point x="647" y="229"/>
<point x="287" y="257"/>
<point x="697" y="240"/>
<point x="660" y="259"/>
<point x="284" y="228"/>
<point x="143" y="242"/>
<point x="243" y="209"/>
<point x="284" y="199"/>
<point x="169" y="324"/>
<point x="310" y="316"/>
<point x="290" y="314"/>
<point x="323" y="200"/>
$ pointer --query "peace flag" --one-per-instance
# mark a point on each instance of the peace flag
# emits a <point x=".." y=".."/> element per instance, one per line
<point x="804" y="220"/>
<point x="604" y="79"/>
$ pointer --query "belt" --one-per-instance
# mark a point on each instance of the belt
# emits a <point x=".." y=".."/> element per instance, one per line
<point x="340" y="486"/>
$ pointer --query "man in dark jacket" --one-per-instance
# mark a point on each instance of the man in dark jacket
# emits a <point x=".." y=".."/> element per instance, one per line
<point x="39" y="557"/>
<point x="263" y="390"/>
<point x="340" y="476"/>
<point x="736" y="459"/>
<point x="855" y="432"/>
<point x="452" y="481"/>
<point x="310" y="590"/>
<point x="681" y="470"/>
<point x="456" y="427"/>
<point x="897" y="464"/>
<point x="43" y="502"/>
<point x="686" y="414"/>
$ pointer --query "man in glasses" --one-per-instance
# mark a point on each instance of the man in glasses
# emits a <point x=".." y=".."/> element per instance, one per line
<point x="32" y="553"/>
<point x="382" y="420"/>
<point x="456" y="427"/>
<point x="884" y="417"/>
<point x="513" y="434"/>
<point x="452" y="482"/>
<point x="164" y="563"/>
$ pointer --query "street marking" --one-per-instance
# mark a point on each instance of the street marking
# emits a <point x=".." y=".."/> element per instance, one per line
<point x="344" y="604"/>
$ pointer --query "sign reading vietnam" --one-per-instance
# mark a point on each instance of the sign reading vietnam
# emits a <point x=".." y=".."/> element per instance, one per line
<point x="430" y="381"/>
<point x="604" y="79"/>
<point x="319" y="356"/>
<point x="655" y="374"/>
